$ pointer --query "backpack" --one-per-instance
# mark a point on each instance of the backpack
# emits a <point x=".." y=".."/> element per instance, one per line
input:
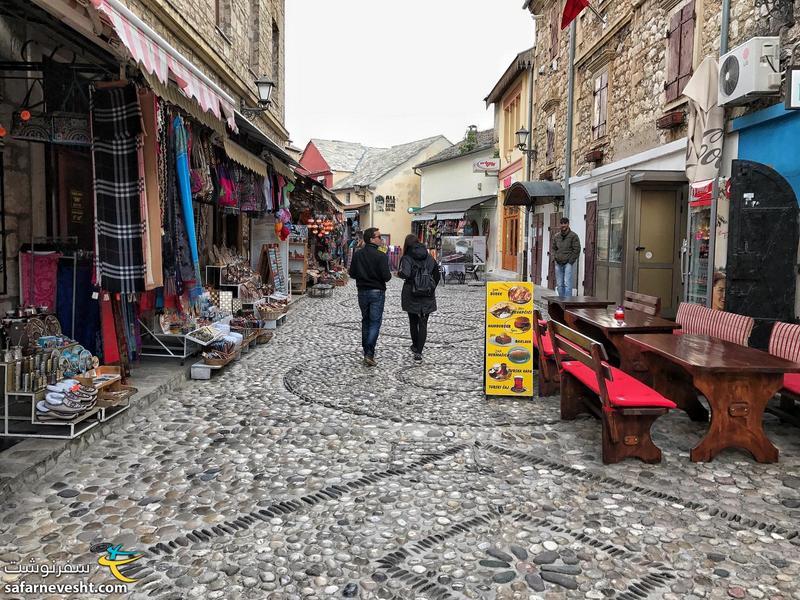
<point x="422" y="283"/>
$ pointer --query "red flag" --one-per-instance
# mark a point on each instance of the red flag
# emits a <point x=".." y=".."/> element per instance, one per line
<point x="571" y="11"/>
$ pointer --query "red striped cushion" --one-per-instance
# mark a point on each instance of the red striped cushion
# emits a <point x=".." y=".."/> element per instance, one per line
<point x="785" y="341"/>
<point x="691" y="317"/>
<point x="730" y="327"/>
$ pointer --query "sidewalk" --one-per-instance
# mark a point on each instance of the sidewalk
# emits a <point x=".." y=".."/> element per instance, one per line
<point x="28" y="460"/>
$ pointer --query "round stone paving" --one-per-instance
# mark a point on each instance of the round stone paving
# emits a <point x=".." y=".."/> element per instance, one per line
<point x="297" y="473"/>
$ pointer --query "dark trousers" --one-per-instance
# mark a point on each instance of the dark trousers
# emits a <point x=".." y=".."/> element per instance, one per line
<point x="371" y="304"/>
<point x="419" y="330"/>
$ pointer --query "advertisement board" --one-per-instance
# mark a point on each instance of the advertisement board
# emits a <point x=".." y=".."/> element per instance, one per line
<point x="508" y="362"/>
<point x="463" y="250"/>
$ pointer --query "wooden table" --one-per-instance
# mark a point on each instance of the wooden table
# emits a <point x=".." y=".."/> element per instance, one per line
<point x="558" y="305"/>
<point x="737" y="382"/>
<point x="591" y="321"/>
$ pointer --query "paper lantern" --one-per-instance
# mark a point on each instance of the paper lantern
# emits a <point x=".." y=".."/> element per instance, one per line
<point x="25" y="115"/>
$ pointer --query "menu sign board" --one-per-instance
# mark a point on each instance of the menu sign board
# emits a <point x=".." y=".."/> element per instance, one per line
<point x="508" y="365"/>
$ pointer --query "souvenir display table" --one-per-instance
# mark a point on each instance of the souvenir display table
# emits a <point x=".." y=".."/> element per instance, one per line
<point x="54" y="388"/>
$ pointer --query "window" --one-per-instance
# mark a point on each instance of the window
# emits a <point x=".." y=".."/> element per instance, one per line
<point x="602" y="234"/>
<point x="615" y="235"/>
<point x="512" y="119"/>
<point x="550" y="154"/>
<point x="600" y="113"/>
<point x="347" y="198"/>
<point x="222" y="15"/>
<point x="555" y="25"/>
<point x="255" y="36"/>
<point x="680" y="51"/>
<point x="389" y="203"/>
<point x="276" y="55"/>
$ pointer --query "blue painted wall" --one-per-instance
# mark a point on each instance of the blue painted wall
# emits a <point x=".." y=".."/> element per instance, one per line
<point x="772" y="137"/>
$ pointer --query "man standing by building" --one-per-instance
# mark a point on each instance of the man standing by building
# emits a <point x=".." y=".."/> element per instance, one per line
<point x="566" y="249"/>
<point x="370" y="269"/>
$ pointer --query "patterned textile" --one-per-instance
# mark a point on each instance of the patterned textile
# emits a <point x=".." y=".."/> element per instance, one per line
<point x="87" y="309"/>
<point x="699" y="320"/>
<point x="785" y="341"/>
<point x="116" y="127"/>
<point x="41" y="289"/>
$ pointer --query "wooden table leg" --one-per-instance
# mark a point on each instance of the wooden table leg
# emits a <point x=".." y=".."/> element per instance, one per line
<point x="676" y="384"/>
<point x="737" y="404"/>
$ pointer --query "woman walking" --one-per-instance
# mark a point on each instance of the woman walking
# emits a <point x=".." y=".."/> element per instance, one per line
<point x="421" y="275"/>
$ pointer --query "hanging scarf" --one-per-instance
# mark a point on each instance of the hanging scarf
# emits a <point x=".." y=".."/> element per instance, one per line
<point x="184" y="187"/>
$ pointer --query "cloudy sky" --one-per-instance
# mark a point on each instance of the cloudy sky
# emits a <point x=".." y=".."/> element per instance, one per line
<point x="384" y="73"/>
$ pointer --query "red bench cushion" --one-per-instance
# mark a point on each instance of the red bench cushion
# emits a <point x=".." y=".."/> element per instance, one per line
<point x="791" y="382"/>
<point x="623" y="392"/>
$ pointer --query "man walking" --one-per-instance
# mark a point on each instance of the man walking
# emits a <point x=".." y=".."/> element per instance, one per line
<point x="566" y="249"/>
<point x="370" y="269"/>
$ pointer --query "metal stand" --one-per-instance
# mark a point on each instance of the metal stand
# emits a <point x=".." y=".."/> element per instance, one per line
<point x="173" y="345"/>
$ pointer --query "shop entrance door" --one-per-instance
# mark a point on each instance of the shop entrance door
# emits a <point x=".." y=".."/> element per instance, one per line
<point x="510" y="237"/>
<point x="75" y="195"/>
<point x="538" y="243"/>
<point x="555" y="227"/>
<point x="657" y="252"/>
<point x="590" y="248"/>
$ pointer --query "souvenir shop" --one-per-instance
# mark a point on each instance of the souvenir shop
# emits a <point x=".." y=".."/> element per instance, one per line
<point x="129" y="215"/>
<point x="319" y="227"/>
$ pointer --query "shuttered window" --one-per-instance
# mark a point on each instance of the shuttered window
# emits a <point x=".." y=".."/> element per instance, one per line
<point x="554" y="27"/>
<point x="680" y="51"/>
<point x="600" y="113"/>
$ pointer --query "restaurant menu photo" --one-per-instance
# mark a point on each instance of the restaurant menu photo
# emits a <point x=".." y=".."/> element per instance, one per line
<point x="508" y="365"/>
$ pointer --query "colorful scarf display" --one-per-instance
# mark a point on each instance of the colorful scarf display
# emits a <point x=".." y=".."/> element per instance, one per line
<point x="185" y="191"/>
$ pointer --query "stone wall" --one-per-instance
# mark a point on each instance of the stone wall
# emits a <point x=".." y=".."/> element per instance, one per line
<point x="232" y="54"/>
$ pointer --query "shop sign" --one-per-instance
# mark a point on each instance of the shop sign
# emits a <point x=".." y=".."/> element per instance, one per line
<point x="508" y="364"/>
<point x="486" y="165"/>
<point x="701" y="193"/>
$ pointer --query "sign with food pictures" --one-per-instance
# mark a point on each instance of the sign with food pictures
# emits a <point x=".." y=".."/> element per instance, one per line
<point x="508" y="365"/>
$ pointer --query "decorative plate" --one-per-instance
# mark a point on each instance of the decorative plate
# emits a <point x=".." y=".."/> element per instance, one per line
<point x="52" y="325"/>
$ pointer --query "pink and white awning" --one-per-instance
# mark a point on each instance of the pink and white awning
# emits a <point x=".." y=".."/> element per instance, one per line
<point x="159" y="59"/>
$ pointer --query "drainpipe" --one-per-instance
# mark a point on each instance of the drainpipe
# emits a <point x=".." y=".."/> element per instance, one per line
<point x="528" y="157"/>
<point x="570" y="116"/>
<point x="725" y="26"/>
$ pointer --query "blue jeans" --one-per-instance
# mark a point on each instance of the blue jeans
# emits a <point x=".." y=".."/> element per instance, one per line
<point x="564" y="274"/>
<point x="371" y="304"/>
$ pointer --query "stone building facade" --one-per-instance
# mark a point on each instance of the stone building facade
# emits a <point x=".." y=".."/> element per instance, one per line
<point x="232" y="42"/>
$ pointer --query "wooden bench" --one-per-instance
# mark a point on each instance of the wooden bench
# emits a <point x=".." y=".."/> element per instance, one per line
<point x="699" y="320"/>
<point x="784" y="342"/>
<point x="650" y="305"/>
<point x="548" y="371"/>
<point x="626" y="407"/>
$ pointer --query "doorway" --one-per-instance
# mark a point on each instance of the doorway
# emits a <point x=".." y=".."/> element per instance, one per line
<point x="656" y="256"/>
<point x="510" y="237"/>
<point x="590" y="248"/>
<point x="555" y="227"/>
<point x="538" y="242"/>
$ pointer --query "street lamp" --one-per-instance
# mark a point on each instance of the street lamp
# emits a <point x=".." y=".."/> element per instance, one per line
<point x="522" y="138"/>
<point x="264" y="88"/>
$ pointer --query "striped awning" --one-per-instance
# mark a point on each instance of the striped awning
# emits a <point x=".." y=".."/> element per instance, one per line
<point x="160" y="59"/>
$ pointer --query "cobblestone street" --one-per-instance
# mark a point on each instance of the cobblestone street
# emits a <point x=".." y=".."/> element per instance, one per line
<point x="300" y="473"/>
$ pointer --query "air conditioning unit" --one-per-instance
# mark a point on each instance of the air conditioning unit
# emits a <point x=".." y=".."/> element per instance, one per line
<point x="749" y="71"/>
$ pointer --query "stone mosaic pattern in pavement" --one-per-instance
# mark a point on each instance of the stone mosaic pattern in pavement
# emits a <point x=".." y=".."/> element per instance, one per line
<point x="300" y="473"/>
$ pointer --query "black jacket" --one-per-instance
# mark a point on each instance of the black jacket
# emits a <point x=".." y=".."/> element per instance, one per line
<point x="370" y="268"/>
<point x="417" y="305"/>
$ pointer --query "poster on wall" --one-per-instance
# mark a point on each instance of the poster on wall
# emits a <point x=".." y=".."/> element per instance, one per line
<point x="463" y="250"/>
<point x="508" y="363"/>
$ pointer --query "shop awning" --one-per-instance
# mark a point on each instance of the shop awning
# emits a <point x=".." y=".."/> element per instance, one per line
<point x="453" y="209"/>
<point x="528" y="193"/>
<point x="244" y="157"/>
<point x="160" y="59"/>
<point x="248" y="128"/>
